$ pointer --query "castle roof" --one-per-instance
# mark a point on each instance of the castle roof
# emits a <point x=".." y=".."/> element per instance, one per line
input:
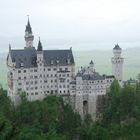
<point x="90" y="76"/>
<point x="94" y="76"/>
<point x="91" y="62"/>
<point x="117" y="47"/>
<point x="28" y="57"/>
<point x="39" y="47"/>
<point x="28" y="27"/>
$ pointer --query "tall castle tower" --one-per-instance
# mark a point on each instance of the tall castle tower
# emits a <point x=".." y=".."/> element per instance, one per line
<point x="117" y="63"/>
<point x="28" y="35"/>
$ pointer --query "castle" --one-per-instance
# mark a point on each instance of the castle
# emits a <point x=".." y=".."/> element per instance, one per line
<point x="40" y="73"/>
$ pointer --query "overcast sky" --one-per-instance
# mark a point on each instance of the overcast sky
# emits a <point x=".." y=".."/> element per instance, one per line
<point x="82" y="24"/>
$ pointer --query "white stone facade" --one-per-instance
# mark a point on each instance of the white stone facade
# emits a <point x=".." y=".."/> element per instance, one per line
<point x="40" y="73"/>
<point x="117" y="63"/>
<point x="86" y="88"/>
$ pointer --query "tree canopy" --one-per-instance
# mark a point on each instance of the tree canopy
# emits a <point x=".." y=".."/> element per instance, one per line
<point x="52" y="119"/>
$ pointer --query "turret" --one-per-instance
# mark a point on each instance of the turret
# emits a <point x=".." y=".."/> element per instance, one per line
<point x="40" y="52"/>
<point x="28" y="35"/>
<point x="91" y="66"/>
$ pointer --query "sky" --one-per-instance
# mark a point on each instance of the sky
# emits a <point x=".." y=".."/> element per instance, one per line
<point x="82" y="24"/>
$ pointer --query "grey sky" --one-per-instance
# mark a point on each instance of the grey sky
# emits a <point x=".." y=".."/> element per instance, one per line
<point x="82" y="24"/>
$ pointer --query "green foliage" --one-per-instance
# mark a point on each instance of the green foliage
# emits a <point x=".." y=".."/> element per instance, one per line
<point x="51" y="119"/>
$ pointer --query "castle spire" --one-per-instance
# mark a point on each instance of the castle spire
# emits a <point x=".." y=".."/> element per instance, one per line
<point x="39" y="47"/>
<point x="28" y="26"/>
<point x="28" y="35"/>
<point x="9" y="47"/>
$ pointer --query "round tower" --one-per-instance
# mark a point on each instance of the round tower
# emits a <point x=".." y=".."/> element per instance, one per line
<point x="117" y="63"/>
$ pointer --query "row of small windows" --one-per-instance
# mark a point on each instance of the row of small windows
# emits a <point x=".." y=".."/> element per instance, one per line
<point x="45" y="81"/>
<point x="92" y="87"/>
<point x="109" y="80"/>
<point x="60" y="75"/>
<point x="49" y="69"/>
<point x="89" y="91"/>
<point x="51" y="92"/>
<point x="52" y="86"/>
<point x="91" y="82"/>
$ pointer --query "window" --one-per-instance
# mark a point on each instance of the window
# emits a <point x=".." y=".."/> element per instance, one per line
<point x="19" y="84"/>
<point x="35" y="77"/>
<point x="49" y="69"/>
<point x="32" y="93"/>
<point x="24" y="71"/>
<point x="27" y="83"/>
<point x="24" y="77"/>
<point x="11" y="73"/>
<point x="60" y="69"/>
<point x="66" y="69"/>
<point x="35" y="70"/>
<point x="19" y="71"/>
<point x="19" y="89"/>
<point x="36" y="93"/>
<point x="35" y="87"/>
<point x="68" y="75"/>
<point x="19" y="78"/>
<point x="62" y="80"/>
<point x="54" y="69"/>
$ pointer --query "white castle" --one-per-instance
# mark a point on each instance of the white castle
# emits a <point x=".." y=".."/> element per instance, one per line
<point x="40" y="73"/>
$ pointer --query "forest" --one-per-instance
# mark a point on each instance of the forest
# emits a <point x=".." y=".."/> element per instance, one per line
<point x="53" y="119"/>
